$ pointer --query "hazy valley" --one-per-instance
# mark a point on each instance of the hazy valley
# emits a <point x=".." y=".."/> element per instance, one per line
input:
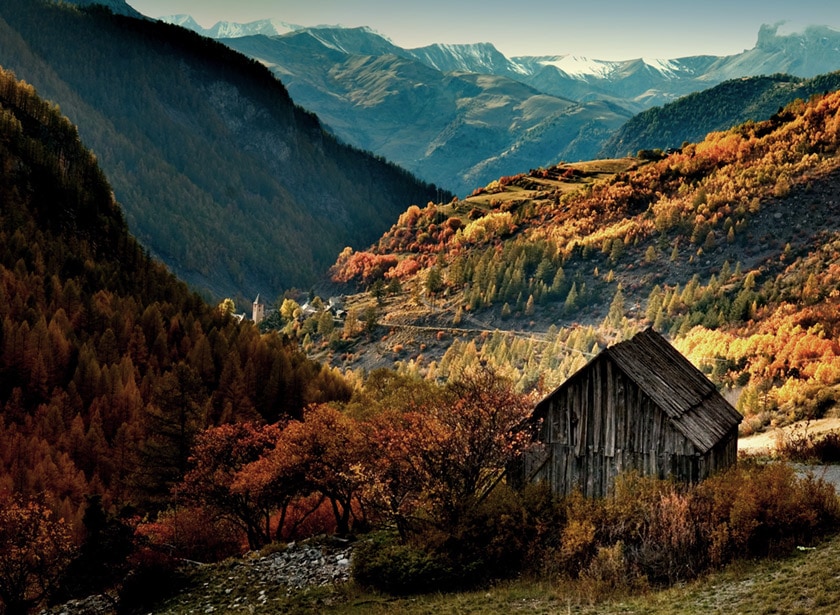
<point x="467" y="131"/>
<point x="213" y="163"/>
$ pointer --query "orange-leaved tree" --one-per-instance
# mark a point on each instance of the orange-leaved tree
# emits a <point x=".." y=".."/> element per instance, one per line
<point x="326" y="450"/>
<point x="472" y="433"/>
<point x="442" y="458"/>
<point x="219" y="454"/>
<point x="35" y="548"/>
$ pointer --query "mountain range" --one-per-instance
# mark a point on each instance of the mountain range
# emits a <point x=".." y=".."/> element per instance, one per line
<point x="456" y="129"/>
<point x="220" y="174"/>
<point x="471" y="119"/>
<point x="143" y="428"/>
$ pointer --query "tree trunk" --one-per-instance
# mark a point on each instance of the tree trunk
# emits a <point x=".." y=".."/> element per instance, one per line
<point x="342" y="517"/>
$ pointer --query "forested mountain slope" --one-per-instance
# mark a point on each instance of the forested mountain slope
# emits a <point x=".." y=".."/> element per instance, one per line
<point x="108" y="364"/>
<point x="220" y="174"/>
<point x="464" y="129"/>
<point x="730" y="246"/>
<point x="120" y="7"/>
<point x="726" y="105"/>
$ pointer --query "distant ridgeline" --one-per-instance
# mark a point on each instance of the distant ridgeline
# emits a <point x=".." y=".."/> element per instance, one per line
<point x="734" y="102"/>
<point x="221" y="176"/>
<point x="108" y="364"/>
<point x="479" y="115"/>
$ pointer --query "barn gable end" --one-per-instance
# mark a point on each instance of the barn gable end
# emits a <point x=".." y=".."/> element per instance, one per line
<point x="639" y="405"/>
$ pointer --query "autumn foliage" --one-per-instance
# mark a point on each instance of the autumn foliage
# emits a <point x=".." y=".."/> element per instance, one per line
<point x="451" y="451"/>
<point x="417" y="462"/>
<point x="35" y="548"/>
<point x="109" y="368"/>
<point x="116" y="382"/>
<point x="728" y="245"/>
<point x="365" y="266"/>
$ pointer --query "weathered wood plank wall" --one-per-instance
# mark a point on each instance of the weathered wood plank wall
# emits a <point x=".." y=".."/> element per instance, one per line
<point x="601" y="424"/>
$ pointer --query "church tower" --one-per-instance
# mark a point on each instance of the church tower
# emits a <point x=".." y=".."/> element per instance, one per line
<point x="259" y="311"/>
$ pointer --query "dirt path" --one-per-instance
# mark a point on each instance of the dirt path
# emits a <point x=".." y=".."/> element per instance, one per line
<point x="767" y="441"/>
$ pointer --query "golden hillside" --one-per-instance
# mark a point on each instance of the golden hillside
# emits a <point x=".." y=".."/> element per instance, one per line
<point x="729" y="245"/>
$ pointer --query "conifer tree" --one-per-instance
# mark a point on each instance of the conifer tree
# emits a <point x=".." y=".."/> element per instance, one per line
<point x="725" y="272"/>
<point x="654" y="304"/>
<point x="434" y="281"/>
<point x="558" y="281"/>
<point x="617" y="250"/>
<point x="571" y="299"/>
<point x="616" y="311"/>
<point x="172" y="421"/>
<point x="326" y="324"/>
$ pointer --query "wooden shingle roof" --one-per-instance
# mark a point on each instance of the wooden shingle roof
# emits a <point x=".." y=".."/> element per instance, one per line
<point x="682" y="391"/>
<point x="689" y="399"/>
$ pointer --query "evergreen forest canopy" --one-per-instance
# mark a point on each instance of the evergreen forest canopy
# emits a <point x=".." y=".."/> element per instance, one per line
<point x="221" y="176"/>
<point x="692" y="117"/>
<point x="109" y="366"/>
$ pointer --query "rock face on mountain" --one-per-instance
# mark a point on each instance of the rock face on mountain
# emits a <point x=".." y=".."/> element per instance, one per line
<point x="418" y="108"/>
<point x="812" y="52"/>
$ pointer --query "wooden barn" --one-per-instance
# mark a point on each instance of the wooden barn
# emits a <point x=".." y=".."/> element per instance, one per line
<point x="639" y="405"/>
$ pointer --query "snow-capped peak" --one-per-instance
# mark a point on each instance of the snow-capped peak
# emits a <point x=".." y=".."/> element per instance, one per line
<point x="666" y="67"/>
<point x="266" y="27"/>
<point x="466" y="57"/>
<point x="580" y="67"/>
<point x="185" y="21"/>
<point x="230" y="29"/>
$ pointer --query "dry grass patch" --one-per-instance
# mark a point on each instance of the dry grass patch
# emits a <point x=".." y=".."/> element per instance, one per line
<point x="807" y="582"/>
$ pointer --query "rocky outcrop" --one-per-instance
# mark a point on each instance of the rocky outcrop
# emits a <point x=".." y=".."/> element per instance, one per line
<point x="246" y="583"/>
<point x="300" y="566"/>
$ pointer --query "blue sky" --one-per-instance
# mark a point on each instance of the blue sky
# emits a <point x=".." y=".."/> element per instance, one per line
<point x="601" y="29"/>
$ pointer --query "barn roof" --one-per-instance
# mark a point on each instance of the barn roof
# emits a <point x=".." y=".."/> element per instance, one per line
<point x="689" y="399"/>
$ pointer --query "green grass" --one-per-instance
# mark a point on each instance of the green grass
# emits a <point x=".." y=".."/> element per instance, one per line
<point x="807" y="582"/>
